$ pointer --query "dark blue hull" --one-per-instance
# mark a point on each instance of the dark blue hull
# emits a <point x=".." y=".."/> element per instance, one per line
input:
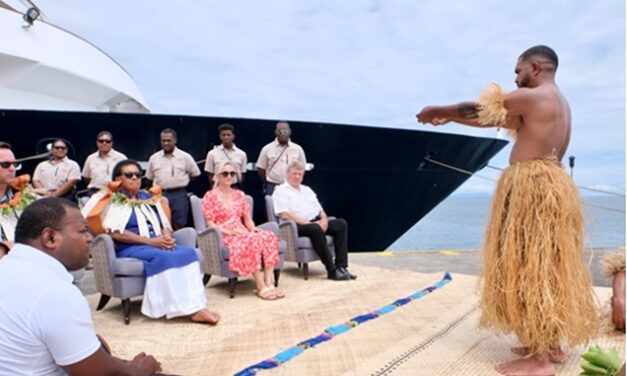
<point x="376" y="178"/>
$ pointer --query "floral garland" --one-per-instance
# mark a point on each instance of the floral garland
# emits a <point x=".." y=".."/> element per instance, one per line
<point x="121" y="199"/>
<point x="18" y="202"/>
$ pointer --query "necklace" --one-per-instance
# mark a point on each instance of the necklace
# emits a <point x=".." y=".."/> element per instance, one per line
<point x="18" y="202"/>
<point x="121" y="199"/>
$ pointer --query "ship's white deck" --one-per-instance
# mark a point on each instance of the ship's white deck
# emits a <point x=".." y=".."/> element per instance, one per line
<point x="48" y="68"/>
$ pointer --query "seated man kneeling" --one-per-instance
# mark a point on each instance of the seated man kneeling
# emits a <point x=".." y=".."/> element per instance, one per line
<point x="297" y="202"/>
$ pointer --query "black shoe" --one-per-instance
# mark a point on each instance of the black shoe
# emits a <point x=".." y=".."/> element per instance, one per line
<point x="352" y="276"/>
<point x="338" y="275"/>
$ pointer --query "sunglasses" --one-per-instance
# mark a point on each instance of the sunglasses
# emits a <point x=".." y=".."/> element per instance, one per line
<point x="104" y="141"/>
<point x="7" y="164"/>
<point x="59" y="147"/>
<point x="229" y="173"/>
<point x="129" y="175"/>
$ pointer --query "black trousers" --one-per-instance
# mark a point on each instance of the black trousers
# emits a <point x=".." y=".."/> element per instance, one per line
<point x="268" y="188"/>
<point x="179" y="205"/>
<point x="338" y="229"/>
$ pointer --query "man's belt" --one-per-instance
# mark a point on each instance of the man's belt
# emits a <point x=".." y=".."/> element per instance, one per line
<point x="173" y="189"/>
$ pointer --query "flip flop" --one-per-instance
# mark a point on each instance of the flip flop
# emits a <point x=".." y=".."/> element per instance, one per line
<point x="267" y="293"/>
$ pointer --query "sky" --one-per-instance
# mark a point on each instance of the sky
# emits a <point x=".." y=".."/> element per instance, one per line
<point x="367" y="62"/>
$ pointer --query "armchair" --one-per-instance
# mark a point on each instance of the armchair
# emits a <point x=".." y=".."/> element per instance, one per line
<point x="123" y="277"/>
<point x="215" y="260"/>
<point x="299" y="248"/>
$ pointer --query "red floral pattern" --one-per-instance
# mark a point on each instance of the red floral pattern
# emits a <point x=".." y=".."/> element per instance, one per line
<point x="246" y="249"/>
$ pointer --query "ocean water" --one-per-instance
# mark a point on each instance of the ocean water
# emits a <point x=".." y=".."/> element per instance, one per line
<point x="458" y="223"/>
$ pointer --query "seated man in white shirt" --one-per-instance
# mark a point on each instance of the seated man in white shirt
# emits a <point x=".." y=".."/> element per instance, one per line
<point x="45" y="322"/>
<point x="297" y="202"/>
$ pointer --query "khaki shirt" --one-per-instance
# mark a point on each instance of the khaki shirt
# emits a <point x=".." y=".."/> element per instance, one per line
<point x="54" y="174"/>
<point x="99" y="167"/>
<point x="221" y="154"/>
<point x="172" y="170"/>
<point x="276" y="158"/>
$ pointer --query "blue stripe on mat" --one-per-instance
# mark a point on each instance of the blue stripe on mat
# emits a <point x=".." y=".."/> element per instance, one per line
<point x="332" y="331"/>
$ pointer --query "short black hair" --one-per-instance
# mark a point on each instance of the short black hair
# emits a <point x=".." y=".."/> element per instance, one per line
<point x="104" y="133"/>
<point x="5" y="145"/>
<point x="282" y="122"/>
<point x="47" y="212"/>
<point x="226" y="127"/>
<point x="117" y="170"/>
<point x="170" y="131"/>
<point x="542" y="51"/>
<point x="59" y="140"/>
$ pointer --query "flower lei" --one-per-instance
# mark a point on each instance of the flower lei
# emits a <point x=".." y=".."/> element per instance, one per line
<point x="121" y="199"/>
<point x="21" y="199"/>
<point x="19" y="202"/>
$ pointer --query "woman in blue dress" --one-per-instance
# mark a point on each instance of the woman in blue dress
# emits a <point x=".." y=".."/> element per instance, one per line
<point x="138" y="223"/>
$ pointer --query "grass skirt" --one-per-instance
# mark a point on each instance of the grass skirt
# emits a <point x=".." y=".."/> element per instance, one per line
<point x="535" y="283"/>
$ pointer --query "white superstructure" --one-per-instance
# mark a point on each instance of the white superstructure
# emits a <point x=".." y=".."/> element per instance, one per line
<point x="44" y="67"/>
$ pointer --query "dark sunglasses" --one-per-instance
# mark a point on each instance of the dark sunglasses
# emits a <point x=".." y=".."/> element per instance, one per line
<point x="7" y="164"/>
<point x="103" y="141"/>
<point x="59" y="147"/>
<point x="129" y="175"/>
<point x="227" y="173"/>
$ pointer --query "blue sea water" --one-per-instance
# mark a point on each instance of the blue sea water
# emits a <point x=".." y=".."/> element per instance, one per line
<point x="458" y="223"/>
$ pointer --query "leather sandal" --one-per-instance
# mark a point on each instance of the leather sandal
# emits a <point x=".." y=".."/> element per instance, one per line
<point x="267" y="293"/>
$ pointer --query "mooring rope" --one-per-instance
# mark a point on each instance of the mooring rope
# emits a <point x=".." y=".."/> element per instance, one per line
<point x="454" y="168"/>
<point x="36" y="156"/>
<point x="428" y="159"/>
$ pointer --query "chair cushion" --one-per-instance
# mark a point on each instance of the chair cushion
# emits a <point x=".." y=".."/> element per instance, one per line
<point x="305" y="242"/>
<point x="128" y="266"/>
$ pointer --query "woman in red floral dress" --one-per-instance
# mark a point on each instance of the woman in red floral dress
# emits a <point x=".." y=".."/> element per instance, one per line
<point x="250" y="249"/>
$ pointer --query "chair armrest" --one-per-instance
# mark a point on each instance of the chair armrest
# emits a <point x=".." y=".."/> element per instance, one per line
<point x="212" y="248"/>
<point x="103" y="255"/>
<point x="270" y="226"/>
<point x="186" y="237"/>
<point x="289" y="232"/>
<point x="214" y="234"/>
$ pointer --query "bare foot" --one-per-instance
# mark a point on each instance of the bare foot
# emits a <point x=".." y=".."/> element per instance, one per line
<point x="533" y="366"/>
<point x="205" y="316"/>
<point x="556" y="356"/>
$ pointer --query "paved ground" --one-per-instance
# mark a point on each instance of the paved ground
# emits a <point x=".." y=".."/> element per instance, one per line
<point x="465" y="262"/>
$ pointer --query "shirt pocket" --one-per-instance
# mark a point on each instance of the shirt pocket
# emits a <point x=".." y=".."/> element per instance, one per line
<point x="292" y="156"/>
<point x="157" y="168"/>
<point x="273" y="155"/>
<point x="180" y="167"/>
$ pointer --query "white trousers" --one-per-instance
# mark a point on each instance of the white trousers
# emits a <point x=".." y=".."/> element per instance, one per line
<point x="174" y="292"/>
